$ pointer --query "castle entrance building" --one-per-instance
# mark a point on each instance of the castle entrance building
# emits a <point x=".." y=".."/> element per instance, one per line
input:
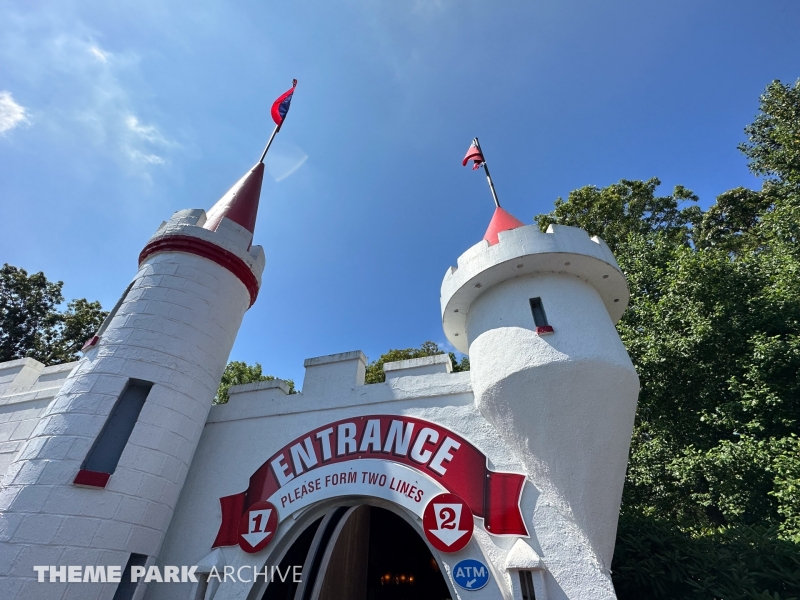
<point x="501" y="482"/>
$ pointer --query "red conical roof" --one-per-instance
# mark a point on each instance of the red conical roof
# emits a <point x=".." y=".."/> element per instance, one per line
<point x="240" y="203"/>
<point x="501" y="221"/>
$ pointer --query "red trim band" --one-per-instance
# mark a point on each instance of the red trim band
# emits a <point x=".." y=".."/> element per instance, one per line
<point x="90" y="343"/>
<point x="91" y="478"/>
<point x="206" y="249"/>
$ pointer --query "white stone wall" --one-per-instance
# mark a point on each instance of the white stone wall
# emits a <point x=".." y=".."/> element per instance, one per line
<point x="175" y="328"/>
<point x="261" y="418"/>
<point x="564" y="402"/>
<point x="26" y="389"/>
<point x="558" y="408"/>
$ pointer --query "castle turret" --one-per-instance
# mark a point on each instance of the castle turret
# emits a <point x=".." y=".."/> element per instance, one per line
<point x="98" y="480"/>
<point x="536" y="312"/>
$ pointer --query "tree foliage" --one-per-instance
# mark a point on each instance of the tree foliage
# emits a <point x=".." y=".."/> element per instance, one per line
<point x="626" y="208"/>
<point x="773" y="144"/>
<point x="31" y="324"/>
<point x="713" y="328"/>
<point x="238" y="373"/>
<point x="654" y="560"/>
<point x="375" y="372"/>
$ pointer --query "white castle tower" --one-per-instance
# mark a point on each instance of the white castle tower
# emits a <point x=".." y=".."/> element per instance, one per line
<point x="97" y="481"/>
<point x="536" y="312"/>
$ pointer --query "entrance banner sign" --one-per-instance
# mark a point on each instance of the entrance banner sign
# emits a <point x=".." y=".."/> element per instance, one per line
<point x="471" y="574"/>
<point x="448" y="523"/>
<point x="402" y="459"/>
<point x="368" y="477"/>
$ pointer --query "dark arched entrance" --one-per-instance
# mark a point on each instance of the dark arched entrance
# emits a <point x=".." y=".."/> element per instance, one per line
<point x="361" y="553"/>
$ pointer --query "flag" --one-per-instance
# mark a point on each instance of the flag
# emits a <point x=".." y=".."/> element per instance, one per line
<point x="280" y="107"/>
<point x="474" y="153"/>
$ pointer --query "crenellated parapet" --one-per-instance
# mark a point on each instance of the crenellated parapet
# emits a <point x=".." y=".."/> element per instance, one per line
<point x="230" y="245"/>
<point x="536" y="313"/>
<point x="526" y="251"/>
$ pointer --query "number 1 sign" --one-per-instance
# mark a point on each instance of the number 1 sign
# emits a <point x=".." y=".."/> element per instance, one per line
<point x="257" y="527"/>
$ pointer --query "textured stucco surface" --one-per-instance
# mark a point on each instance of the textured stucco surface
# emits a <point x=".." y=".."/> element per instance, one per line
<point x="524" y="251"/>
<point x="254" y="424"/>
<point x="558" y="408"/>
<point x="174" y="328"/>
<point x="26" y="389"/>
<point x="564" y="403"/>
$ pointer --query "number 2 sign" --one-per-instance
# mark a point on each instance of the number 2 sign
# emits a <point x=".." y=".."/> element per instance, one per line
<point x="448" y="523"/>
<point x="257" y="527"/>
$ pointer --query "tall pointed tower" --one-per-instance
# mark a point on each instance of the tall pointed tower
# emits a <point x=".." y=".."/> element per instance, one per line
<point x="536" y="312"/>
<point x="97" y="482"/>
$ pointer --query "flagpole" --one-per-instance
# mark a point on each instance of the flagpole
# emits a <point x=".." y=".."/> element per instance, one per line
<point x="269" y="143"/>
<point x="278" y="126"/>
<point x="485" y="168"/>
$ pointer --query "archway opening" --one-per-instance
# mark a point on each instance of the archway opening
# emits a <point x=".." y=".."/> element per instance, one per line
<point x="400" y="565"/>
<point x="285" y="588"/>
<point x="361" y="553"/>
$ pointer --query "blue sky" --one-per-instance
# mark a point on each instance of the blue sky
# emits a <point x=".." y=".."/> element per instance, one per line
<point x="115" y="114"/>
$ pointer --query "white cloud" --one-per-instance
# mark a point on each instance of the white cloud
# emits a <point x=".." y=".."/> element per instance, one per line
<point x="145" y="135"/>
<point x="98" y="53"/>
<point x="148" y="133"/>
<point x="141" y="157"/>
<point x="100" y="99"/>
<point x="11" y="113"/>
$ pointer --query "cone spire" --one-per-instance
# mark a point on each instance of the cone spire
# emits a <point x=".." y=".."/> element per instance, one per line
<point x="240" y="203"/>
<point x="502" y="220"/>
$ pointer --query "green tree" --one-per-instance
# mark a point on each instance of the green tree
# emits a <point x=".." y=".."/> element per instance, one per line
<point x="31" y="324"/>
<point x="654" y="560"/>
<point x="626" y="208"/>
<point x="238" y="373"/>
<point x="375" y="372"/>
<point x="713" y="328"/>
<point x="773" y="144"/>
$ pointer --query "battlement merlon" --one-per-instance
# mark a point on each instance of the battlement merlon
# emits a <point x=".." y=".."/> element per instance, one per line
<point x="525" y="251"/>
<point x="229" y="246"/>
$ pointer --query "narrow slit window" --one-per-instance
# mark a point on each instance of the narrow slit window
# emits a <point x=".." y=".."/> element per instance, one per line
<point x="202" y="587"/>
<point x="526" y="585"/>
<point x="127" y="588"/>
<point x="539" y="317"/>
<point x="104" y="456"/>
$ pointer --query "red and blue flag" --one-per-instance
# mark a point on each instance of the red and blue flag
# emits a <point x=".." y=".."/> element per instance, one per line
<point x="474" y="154"/>
<point x="280" y="107"/>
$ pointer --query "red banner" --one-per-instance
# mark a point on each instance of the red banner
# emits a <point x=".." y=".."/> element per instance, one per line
<point x="434" y="451"/>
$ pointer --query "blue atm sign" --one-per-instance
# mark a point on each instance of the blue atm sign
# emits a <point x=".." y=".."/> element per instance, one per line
<point x="471" y="574"/>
